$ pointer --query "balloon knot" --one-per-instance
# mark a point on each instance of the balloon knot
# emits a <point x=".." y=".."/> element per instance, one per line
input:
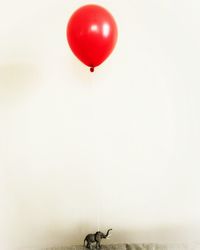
<point x="91" y="69"/>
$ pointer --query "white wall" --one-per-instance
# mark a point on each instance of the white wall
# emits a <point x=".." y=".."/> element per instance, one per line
<point x="117" y="148"/>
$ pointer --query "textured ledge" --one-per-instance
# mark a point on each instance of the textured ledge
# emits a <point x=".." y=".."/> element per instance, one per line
<point x="129" y="247"/>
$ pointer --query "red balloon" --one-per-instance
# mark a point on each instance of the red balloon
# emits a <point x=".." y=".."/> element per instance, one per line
<point x="92" y="34"/>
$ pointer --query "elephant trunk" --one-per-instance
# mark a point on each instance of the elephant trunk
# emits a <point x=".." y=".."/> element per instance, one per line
<point x="108" y="233"/>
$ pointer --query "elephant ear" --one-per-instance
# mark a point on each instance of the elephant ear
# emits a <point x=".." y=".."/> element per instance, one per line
<point x="98" y="235"/>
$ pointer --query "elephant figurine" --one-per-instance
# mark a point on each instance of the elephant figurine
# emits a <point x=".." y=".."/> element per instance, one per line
<point x="97" y="237"/>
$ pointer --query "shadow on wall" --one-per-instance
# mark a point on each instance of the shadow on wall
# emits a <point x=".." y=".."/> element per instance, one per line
<point x="162" y="235"/>
<point x="16" y="79"/>
<point x="55" y="236"/>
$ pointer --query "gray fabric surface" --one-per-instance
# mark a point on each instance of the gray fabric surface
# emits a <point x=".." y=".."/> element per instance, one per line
<point x="129" y="247"/>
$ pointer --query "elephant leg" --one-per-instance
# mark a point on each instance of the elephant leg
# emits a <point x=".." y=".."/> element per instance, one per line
<point x="98" y="244"/>
<point x="88" y="245"/>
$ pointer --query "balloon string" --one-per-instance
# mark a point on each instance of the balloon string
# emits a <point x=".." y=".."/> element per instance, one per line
<point x="97" y="163"/>
<point x="99" y="206"/>
<point x="98" y="189"/>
